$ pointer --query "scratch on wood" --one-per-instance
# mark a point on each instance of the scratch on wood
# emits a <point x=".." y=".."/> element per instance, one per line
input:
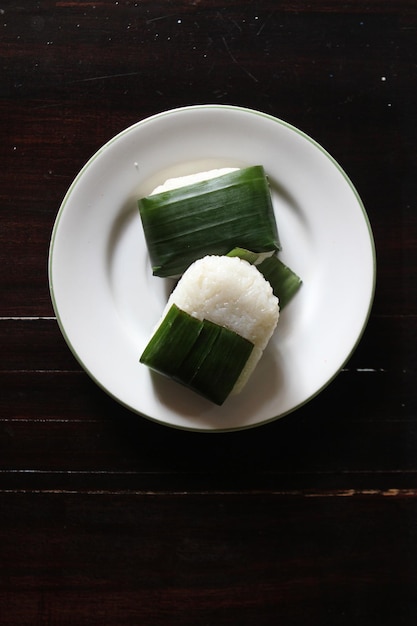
<point x="157" y="19"/>
<point x="26" y="318"/>
<point x="236" y="62"/>
<point x="264" y="23"/>
<point x="364" y="369"/>
<point x="106" y="77"/>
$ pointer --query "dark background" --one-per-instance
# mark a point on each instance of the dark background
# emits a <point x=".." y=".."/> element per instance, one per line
<point x="107" y="518"/>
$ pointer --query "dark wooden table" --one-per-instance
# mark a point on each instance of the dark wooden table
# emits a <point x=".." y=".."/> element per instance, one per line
<point x="109" y="519"/>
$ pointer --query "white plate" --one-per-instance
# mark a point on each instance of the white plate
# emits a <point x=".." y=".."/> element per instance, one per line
<point x="107" y="301"/>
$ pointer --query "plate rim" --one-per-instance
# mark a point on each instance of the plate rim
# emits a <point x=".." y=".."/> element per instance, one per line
<point x="185" y="109"/>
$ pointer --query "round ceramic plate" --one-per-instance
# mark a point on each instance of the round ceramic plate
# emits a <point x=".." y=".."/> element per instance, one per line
<point x="107" y="301"/>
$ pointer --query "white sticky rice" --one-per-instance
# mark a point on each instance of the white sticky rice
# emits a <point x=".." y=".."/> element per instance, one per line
<point x="232" y="293"/>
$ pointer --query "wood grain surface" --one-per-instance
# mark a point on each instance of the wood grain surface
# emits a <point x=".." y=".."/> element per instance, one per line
<point x="109" y="519"/>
